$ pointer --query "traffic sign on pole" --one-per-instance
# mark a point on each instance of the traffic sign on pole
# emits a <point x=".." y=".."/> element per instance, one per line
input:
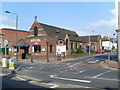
<point x="5" y="42"/>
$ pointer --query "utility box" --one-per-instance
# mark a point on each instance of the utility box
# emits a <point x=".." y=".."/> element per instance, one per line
<point x="11" y="64"/>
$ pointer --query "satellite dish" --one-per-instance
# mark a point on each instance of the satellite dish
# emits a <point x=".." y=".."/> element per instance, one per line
<point x="5" y="42"/>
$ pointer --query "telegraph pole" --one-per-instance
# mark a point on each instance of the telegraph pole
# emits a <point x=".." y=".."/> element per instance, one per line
<point x="118" y="27"/>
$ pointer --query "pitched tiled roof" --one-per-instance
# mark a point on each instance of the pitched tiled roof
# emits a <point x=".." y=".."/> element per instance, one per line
<point x="92" y="38"/>
<point x="60" y="33"/>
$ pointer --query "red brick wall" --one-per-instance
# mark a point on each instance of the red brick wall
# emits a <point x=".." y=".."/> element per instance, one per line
<point x="10" y="35"/>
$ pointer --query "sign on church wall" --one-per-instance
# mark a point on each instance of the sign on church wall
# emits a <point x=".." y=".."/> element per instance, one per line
<point x="35" y="40"/>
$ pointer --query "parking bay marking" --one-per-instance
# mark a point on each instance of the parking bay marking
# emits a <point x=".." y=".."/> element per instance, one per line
<point x="76" y="80"/>
<point x="101" y="74"/>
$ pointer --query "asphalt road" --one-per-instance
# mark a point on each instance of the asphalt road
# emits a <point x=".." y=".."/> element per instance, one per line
<point x="83" y="72"/>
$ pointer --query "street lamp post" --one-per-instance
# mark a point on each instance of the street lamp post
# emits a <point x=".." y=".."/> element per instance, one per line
<point x="109" y="49"/>
<point x="16" y="32"/>
<point x="113" y="42"/>
<point x="89" y="44"/>
<point x="47" y="53"/>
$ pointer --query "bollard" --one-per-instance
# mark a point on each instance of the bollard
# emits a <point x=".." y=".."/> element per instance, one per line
<point x="31" y="60"/>
<point x="11" y="64"/>
<point x="59" y="57"/>
<point x="4" y="62"/>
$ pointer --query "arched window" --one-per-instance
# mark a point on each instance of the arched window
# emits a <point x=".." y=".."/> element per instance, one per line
<point x="72" y="45"/>
<point x="66" y="44"/>
<point x="35" y="31"/>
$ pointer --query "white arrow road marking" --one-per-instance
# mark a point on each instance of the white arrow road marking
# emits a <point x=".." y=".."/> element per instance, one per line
<point x="55" y="76"/>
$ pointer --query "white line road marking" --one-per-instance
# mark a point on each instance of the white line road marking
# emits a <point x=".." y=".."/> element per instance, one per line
<point x="51" y="84"/>
<point x="33" y="82"/>
<point x="93" y="61"/>
<point x="80" y="71"/>
<point x="68" y="63"/>
<point x="30" y="67"/>
<point x="74" y="64"/>
<point x="21" y="78"/>
<point x="89" y="59"/>
<point x="78" y="86"/>
<point x="103" y="78"/>
<point x="54" y="86"/>
<point x="28" y="77"/>
<point x="101" y="74"/>
<point x="3" y="74"/>
<point x="54" y="76"/>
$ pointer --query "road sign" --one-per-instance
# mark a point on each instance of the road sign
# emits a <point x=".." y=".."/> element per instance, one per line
<point x="5" y="43"/>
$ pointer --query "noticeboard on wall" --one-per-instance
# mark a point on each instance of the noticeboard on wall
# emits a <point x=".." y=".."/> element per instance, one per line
<point x="61" y="48"/>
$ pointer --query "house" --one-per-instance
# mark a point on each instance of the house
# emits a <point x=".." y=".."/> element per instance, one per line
<point x="108" y="44"/>
<point x="93" y="41"/>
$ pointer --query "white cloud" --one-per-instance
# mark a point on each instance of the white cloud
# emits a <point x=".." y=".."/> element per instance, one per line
<point x="102" y="23"/>
<point x="103" y="27"/>
<point x="7" y="22"/>
<point x="6" y="26"/>
<point x="113" y="11"/>
<point x="82" y="33"/>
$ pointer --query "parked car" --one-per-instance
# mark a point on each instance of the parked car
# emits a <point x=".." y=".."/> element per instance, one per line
<point x="100" y="51"/>
<point x="107" y="50"/>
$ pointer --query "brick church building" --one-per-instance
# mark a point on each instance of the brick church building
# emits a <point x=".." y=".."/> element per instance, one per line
<point x="41" y="40"/>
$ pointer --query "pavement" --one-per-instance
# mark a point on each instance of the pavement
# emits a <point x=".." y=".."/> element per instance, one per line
<point x="111" y="64"/>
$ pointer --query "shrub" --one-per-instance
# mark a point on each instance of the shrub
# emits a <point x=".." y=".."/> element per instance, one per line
<point x="28" y="54"/>
<point x="79" y="50"/>
<point x="73" y="52"/>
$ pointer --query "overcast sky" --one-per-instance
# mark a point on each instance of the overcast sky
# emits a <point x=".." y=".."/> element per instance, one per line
<point x="82" y="17"/>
